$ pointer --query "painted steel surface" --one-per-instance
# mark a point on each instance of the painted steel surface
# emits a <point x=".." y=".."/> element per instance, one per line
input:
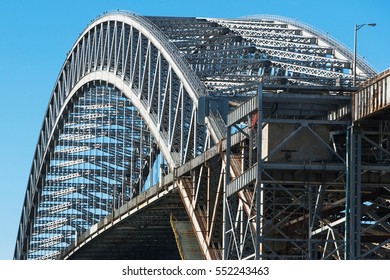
<point x="125" y="111"/>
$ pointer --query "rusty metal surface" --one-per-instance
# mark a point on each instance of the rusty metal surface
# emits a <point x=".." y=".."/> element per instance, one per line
<point x="373" y="97"/>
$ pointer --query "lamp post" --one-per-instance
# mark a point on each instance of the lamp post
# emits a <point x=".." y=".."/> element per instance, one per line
<point x="357" y="27"/>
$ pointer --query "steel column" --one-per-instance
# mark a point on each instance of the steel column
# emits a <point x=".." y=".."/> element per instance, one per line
<point x="354" y="196"/>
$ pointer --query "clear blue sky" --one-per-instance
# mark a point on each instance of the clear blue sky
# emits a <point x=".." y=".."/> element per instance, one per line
<point x="36" y="35"/>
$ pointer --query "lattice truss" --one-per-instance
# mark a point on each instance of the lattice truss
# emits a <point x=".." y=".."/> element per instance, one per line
<point x="370" y="211"/>
<point x="287" y="200"/>
<point x="94" y="165"/>
<point x="316" y="190"/>
<point x="141" y="97"/>
<point x="230" y="53"/>
<point x="115" y="90"/>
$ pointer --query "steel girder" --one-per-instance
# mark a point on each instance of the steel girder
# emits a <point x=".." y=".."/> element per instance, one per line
<point x="134" y="89"/>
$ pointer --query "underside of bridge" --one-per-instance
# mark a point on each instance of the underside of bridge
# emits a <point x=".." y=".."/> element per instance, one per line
<point x="147" y="235"/>
<point x="203" y="138"/>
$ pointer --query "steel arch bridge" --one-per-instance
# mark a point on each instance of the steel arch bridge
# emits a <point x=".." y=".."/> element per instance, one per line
<point x="154" y="124"/>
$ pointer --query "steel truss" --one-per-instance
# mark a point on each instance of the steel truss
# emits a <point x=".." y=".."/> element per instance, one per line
<point x="142" y="100"/>
<point x="369" y="231"/>
<point x="95" y="148"/>
<point x="291" y="191"/>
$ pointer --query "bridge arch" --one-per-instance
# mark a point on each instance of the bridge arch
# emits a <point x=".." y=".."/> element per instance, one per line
<point x="161" y="77"/>
<point x="126" y="53"/>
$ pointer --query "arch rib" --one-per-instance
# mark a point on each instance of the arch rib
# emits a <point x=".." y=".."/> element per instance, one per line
<point x="97" y="55"/>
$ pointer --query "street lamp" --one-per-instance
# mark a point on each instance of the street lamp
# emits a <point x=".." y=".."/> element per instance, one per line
<point x="357" y="27"/>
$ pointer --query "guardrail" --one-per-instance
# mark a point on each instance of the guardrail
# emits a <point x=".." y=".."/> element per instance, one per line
<point x="373" y="97"/>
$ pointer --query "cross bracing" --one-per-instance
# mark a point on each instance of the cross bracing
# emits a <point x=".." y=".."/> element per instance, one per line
<point x="147" y="102"/>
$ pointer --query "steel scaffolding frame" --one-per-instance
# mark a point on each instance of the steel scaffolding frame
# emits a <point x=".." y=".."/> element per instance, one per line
<point x="282" y="212"/>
